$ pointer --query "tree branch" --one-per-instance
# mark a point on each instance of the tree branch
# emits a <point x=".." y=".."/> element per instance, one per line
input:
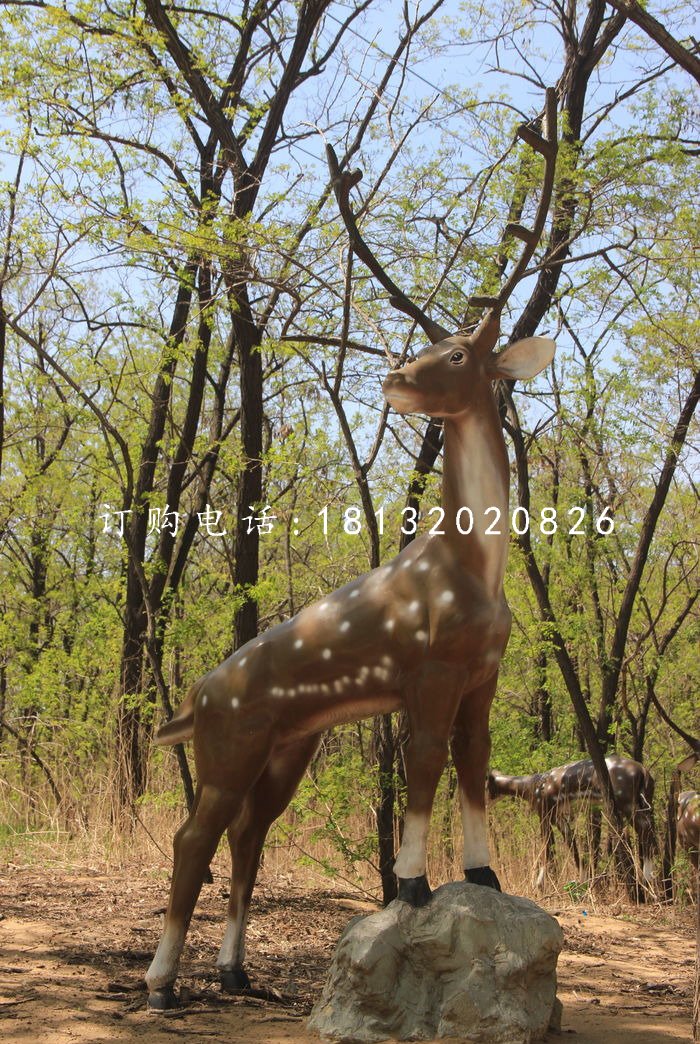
<point x="659" y="34"/>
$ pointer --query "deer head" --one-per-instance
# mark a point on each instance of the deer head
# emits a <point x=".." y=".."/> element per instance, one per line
<point x="447" y="378"/>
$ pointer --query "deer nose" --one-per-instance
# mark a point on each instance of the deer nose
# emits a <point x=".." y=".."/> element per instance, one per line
<point x="398" y="379"/>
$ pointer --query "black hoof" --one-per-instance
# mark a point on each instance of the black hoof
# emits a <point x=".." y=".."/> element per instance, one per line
<point x="482" y="875"/>
<point x="163" y="999"/>
<point x="234" y="980"/>
<point x="414" y="890"/>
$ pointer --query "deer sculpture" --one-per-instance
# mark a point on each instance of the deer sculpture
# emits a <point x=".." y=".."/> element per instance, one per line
<point x="553" y="794"/>
<point x="688" y="825"/>
<point x="425" y="632"/>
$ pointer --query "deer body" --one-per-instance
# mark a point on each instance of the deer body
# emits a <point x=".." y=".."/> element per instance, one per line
<point x="353" y="653"/>
<point x="688" y="825"/>
<point x="552" y="794"/>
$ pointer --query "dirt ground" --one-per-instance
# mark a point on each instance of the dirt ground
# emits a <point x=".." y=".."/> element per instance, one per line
<point x="74" y="947"/>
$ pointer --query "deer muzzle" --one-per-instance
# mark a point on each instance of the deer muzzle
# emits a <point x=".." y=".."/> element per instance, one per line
<point x="399" y="390"/>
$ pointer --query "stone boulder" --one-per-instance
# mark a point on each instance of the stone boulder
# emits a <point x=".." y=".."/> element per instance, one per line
<point x="473" y="963"/>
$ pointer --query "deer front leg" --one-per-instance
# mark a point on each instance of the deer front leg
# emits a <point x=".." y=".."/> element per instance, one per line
<point x="431" y="708"/>
<point x="565" y="829"/>
<point x="268" y="799"/>
<point x="471" y="746"/>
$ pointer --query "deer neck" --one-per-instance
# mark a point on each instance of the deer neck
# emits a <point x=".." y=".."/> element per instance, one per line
<point x="476" y="476"/>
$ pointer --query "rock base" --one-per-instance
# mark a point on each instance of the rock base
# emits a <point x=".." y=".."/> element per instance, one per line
<point x="473" y="963"/>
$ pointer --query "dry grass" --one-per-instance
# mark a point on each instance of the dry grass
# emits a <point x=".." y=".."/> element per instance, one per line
<point x="299" y="850"/>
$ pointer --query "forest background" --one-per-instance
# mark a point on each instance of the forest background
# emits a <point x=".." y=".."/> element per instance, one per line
<point x="191" y="355"/>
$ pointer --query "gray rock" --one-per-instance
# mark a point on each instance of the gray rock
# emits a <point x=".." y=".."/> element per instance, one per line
<point x="472" y="963"/>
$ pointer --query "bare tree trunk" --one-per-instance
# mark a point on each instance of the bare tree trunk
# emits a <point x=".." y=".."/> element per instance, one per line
<point x="130" y="732"/>
<point x="247" y="540"/>
<point x="3" y="345"/>
<point x="543" y="700"/>
<point x="3" y="698"/>
<point x="385" y="756"/>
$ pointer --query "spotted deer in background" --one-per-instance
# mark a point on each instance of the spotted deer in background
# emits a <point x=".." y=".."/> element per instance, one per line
<point x="424" y="633"/>
<point x="553" y="795"/>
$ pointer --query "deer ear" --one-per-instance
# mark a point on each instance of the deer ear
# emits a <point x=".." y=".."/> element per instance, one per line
<point x="522" y="360"/>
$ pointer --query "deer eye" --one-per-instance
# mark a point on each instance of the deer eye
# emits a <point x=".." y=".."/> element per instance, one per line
<point x="457" y="358"/>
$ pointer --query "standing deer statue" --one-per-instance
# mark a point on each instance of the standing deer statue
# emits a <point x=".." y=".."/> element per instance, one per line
<point x="553" y="794"/>
<point x="425" y="632"/>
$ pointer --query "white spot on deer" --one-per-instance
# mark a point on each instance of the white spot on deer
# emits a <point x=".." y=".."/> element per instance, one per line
<point x="323" y="607"/>
<point x="338" y="686"/>
<point x="243" y="660"/>
<point x="325" y="689"/>
<point x="204" y="699"/>
<point x="407" y="563"/>
<point x="235" y="702"/>
<point x="389" y="625"/>
<point x="414" y="606"/>
<point x="326" y="654"/>
<point x="298" y="643"/>
<point x="421" y="636"/>
<point x="446" y="597"/>
<point x="355" y="593"/>
<point x="387" y="661"/>
<point x="422" y="567"/>
<point x="345" y="626"/>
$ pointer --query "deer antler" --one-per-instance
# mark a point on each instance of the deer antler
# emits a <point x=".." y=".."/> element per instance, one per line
<point x="342" y="182"/>
<point x="546" y="145"/>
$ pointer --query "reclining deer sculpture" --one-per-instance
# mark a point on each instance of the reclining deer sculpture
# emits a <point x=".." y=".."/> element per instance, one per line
<point x="552" y="794"/>
<point x="425" y="632"/>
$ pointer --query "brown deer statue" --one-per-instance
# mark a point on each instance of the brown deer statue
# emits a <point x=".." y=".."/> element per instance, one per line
<point x="688" y="825"/>
<point x="425" y="632"/>
<point x="553" y="794"/>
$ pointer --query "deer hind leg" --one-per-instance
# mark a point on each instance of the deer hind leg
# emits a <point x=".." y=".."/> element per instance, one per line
<point x="471" y="746"/>
<point x="431" y="709"/>
<point x="268" y="799"/>
<point x="646" y="838"/>
<point x="194" y="846"/>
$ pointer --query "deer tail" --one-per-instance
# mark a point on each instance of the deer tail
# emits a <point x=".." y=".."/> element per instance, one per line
<point x="181" y="726"/>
